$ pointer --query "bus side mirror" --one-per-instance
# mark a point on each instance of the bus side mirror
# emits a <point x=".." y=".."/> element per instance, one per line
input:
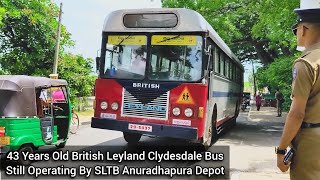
<point x="208" y="50"/>
<point x="209" y="62"/>
<point x="97" y="63"/>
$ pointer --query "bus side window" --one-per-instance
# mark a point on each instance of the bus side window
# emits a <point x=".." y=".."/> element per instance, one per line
<point x="216" y="60"/>
<point x="227" y="67"/>
<point x="238" y="77"/>
<point x="233" y="72"/>
<point x="221" y="63"/>
<point x="212" y="63"/>
<point x="231" y="69"/>
<point x="211" y="60"/>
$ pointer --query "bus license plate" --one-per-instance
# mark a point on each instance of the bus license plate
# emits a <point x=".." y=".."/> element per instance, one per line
<point x="138" y="127"/>
<point x="108" y="115"/>
<point x="4" y="140"/>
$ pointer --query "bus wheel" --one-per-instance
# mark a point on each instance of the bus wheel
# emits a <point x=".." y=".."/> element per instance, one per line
<point x="24" y="149"/>
<point x="131" y="138"/>
<point x="208" y="141"/>
<point x="214" y="125"/>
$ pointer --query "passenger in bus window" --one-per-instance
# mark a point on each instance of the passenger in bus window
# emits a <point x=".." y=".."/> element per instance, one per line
<point x="138" y="62"/>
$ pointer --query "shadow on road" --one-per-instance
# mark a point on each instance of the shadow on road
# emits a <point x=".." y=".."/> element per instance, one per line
<point x="260" y="129"/>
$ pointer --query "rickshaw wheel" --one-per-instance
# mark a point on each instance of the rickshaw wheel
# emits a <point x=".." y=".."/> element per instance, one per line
<point x="61" y="145"/>
<point x="25" y="148"/>
<point x="131" y="138"/>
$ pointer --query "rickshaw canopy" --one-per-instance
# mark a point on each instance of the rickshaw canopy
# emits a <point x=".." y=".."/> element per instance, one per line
<point x="18" y="93"/>
<point x="19" y="82"/>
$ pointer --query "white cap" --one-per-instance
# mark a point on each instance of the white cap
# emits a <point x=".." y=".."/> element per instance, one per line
<point x="309" y="11"/>
<point x="309" y="4"/>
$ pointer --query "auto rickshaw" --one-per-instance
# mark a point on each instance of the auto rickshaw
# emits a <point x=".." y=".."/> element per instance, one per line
<point x="30" y="115"/>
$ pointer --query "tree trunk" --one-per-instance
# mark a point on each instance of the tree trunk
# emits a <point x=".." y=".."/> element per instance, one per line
<point x="262" y="54"/>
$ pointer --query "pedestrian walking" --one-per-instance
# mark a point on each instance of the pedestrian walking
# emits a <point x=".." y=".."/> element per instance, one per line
<point x="302" y="126"/>
<point x="280" y="100"/>
<point x="258" y="101"/>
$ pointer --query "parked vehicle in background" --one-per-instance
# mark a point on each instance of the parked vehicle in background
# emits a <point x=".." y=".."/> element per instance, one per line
<point x="247" y="97"/>
<point x="268" y="100"/>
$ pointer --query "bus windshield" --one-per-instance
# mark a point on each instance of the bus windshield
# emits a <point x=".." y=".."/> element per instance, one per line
<point x="126" y="57"/>
<point x="176" y="58"/>
<point x="173" y="57"/>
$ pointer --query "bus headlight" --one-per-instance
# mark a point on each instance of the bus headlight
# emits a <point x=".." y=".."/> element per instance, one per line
<point x="188" y="112"/>
<point x="103" y="105"/>
<point x="114" y="106"/>
<point x="176" y="111"/>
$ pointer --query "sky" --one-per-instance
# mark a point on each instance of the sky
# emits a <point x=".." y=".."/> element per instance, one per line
<point x="84" y="20"/>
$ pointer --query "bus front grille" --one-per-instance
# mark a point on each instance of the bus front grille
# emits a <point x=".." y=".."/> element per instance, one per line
<point x="145" y="104"/>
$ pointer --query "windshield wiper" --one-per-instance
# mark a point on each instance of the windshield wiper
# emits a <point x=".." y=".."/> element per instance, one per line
<point x="168" y="39"/>
<point x="124" y="40"/>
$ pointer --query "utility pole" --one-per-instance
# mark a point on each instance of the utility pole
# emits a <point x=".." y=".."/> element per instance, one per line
<point x="56" y="54"/>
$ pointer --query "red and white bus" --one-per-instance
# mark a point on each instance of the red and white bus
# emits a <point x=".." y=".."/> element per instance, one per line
<point x="165" y="72"/>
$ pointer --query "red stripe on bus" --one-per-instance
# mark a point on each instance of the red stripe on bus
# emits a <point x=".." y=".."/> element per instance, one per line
<point x="223" y="120"/>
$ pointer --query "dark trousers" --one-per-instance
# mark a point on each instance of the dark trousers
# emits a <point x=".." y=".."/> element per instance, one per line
<point x="279" y="108"/>
<point x="258" y="107"/>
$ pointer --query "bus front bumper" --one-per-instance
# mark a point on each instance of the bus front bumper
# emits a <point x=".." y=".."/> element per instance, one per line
<point x="160" y="130"/>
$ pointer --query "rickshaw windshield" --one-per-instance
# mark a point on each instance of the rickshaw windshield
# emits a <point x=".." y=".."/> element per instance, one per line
<point x="54" y="94"/>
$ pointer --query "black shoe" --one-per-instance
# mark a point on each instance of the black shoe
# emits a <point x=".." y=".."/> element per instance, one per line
<point x="278" y="116"/>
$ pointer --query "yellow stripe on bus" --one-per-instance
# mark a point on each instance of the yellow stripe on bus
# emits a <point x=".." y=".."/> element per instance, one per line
<point x="127" y="40"/>
<point x="174" y="40"/>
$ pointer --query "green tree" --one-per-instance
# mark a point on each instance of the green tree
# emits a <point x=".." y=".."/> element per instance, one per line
<point x="27" y="45"/>
<point x="77" y="71"/>
<point x="255" y="30"/>
<point x="27" y="36"/>
<point x="277" y="75"/>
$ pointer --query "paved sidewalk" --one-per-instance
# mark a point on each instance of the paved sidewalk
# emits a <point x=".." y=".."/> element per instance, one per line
<point x="270" y="127"/>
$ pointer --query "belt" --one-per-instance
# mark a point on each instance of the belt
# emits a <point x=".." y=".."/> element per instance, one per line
<point x="310" y="125"/>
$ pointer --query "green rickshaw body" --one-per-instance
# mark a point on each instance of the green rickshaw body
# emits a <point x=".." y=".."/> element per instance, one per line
<point x="24" y="131"/>
<point x="20" y="123"/>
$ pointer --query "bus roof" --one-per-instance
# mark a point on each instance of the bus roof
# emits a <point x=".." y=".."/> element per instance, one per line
<point x="188" y="21"/>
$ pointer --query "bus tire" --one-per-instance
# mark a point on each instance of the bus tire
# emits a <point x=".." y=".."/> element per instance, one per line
<point x="25" y="148"/>
<point x="214" y="125"/>
<point x="207" y="143"/>
<point x="236" y="112"/>
<point x="211" y="133"/>
<point x="132" y="138"/>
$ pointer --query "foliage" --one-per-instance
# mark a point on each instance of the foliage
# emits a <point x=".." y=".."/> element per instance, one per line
<point x="277" y="75"/>
<point x="255" y="30"/>
<point x="27" y="45"/>
<point x="247" y="87"/>
<point x="27" y="36"/>
<point x="76" y="70"/>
